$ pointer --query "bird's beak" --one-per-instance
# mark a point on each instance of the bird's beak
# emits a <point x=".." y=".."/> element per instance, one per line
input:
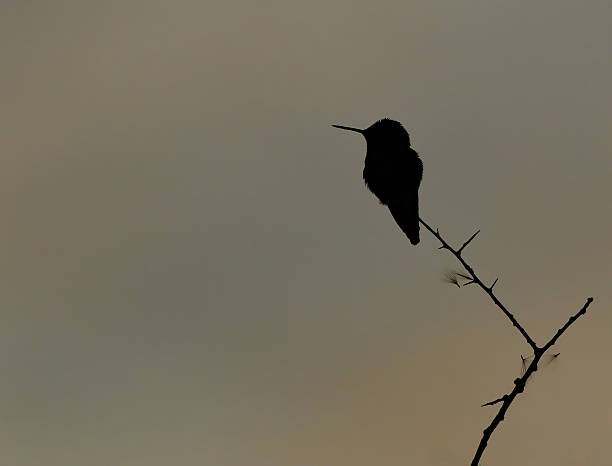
<point x="357" y="130"/>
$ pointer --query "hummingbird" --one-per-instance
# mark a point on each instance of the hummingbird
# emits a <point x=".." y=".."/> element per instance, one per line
<point x="393" y="172"/>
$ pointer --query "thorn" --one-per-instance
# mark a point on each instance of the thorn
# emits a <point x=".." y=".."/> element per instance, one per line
<point x="467" y="242"/>
<point x="491" y="287"/>
<point x="469" y="283"/>
<point x="499" y="400"/>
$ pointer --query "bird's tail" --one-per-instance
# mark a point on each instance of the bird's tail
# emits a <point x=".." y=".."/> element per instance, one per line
<point x="406" y="214"/>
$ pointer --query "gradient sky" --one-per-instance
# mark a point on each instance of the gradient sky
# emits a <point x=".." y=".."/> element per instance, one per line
<point x="194" y="273"/>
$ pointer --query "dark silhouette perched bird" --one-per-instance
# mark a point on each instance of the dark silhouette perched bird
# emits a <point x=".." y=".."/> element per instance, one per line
<point x="393" y="172"/>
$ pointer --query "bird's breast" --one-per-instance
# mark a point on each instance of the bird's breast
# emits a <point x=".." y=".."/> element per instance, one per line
<point x="378" y="178"/>
<point x="390" y="176"/>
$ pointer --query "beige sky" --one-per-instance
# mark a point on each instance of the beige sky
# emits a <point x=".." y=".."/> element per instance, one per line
<point x="195" y="274"/>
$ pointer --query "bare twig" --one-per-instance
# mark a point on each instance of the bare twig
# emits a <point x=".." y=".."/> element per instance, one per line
<point x="543" y="363"/>
<point x="519" y="383"/>
<point x="475" y="279"/>
<point x="570" y="321"/>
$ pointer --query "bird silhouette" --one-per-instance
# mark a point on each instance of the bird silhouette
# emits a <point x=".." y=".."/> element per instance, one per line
<point x="393" y="172"/>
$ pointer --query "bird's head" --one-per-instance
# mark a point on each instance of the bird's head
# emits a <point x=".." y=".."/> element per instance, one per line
<point x="382" y="131"/>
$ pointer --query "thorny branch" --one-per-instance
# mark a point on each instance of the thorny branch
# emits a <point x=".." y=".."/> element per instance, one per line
<point x="475" y="279"/>
<point x="519" y="383"/>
